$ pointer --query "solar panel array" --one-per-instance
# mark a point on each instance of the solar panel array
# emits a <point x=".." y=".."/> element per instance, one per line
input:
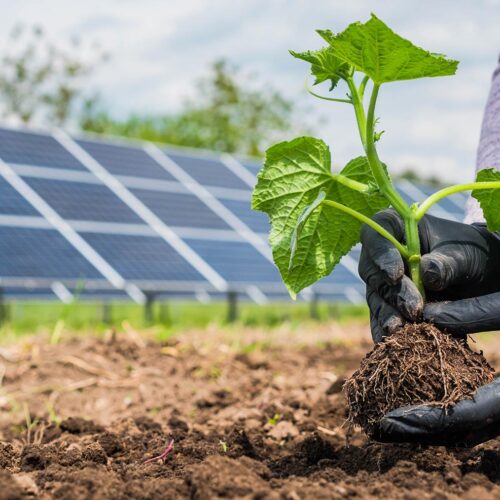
<point x="113" y="219"/>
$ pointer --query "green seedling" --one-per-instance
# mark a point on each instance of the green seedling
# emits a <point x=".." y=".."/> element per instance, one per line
<point x="316" y="214"/>
<point x="274" y="419"/>
<point x="223" y="446"/>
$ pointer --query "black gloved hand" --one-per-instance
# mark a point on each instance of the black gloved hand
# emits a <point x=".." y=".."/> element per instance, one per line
<point x="468" y="423"/>
<point x="461" y="272"/>
<point x="460" y="269"/>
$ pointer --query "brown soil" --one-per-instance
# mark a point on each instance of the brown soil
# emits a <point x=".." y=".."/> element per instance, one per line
<point x="418" y="364"/>
<point x="78" y="420"/>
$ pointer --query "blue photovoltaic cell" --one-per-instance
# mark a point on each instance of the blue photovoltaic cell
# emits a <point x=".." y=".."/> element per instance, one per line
<point x="340" y="276"/>
<point x="179" y="209"/>
<point x="208" y="172"/>
<point x="142" y="257"/>
<point x="35" y="149"/>
<point x="254" y="167"/>
<point x="236" y="262"/>
<point x="12" y="203"/>
<point x="82" y="201"/>
<point x="405" y="196"/>
<point x="256" y="221"/>
<point x="41" y="253"/>
<point x="125" y="160"/>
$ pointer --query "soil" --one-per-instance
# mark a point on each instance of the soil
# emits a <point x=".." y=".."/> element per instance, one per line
<point x="260" y="420"/>
<point x="417" y="364"/>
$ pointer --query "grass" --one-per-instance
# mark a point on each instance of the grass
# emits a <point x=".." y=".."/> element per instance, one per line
<point x="168" y="318"/>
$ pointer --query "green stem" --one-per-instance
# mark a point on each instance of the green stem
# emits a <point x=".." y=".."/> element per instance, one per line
<point x="370" y="222"/>
<point x="378" y="170"/>
<point x="411" y="253"/>
<point x="414" y="257"/>
<point x="362" y="87"/>
<point x="347" y="101"/>
<point x="359" y="110"/>
<point x="350" y="183"/>
<point x="442" y="193"/>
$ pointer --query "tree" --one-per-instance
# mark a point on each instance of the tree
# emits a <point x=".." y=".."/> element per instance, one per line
<point x="226" y="115"/>
<point x="41" y="81"/>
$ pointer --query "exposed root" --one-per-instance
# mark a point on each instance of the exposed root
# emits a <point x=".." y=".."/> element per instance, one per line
<point x="418" y="364"/>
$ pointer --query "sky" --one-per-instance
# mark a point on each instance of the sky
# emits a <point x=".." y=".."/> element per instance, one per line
<point x="158" y="48"/>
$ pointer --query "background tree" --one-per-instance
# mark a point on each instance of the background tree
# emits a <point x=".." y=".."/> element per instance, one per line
<point x="225" y="115"/>
<point x="40" y="81"/>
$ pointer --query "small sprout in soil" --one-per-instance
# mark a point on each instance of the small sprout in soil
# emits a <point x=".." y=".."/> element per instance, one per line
<point x="53" y="416"/>
<point x="316" y="215"/>
<point x="164" y="455"/>
<point x="274" y="419"/>
<point x="223" y="446"/>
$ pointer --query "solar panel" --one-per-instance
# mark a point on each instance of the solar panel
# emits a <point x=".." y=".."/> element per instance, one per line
<point x="208" y="171"/>
<point x="179" y="209"/>
<point x="179" y="259"/>
<point x="143" y="257"/>
<point x="340" y="276"/>
<point x="81" y="201"/>
<point x="35" y="149"/>
<point x="257" y="221"/>
<point x="12" y="203"/>
<point x="254" y="167"/>
<point x="41" y="253"/>
<point x="236" y="261"/>
<point x="125" y="160"/>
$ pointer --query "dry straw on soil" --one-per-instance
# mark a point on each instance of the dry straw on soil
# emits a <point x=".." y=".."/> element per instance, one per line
<point x="419" y="364"/>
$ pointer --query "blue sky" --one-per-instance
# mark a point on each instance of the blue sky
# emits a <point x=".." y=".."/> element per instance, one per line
<point x="159" y="47"/>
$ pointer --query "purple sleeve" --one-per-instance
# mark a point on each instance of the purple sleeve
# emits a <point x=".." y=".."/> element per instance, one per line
<point x="488" y="152"/>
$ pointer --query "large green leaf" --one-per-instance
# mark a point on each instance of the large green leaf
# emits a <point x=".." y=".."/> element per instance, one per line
<point x="489" y="199"/>
<point x="384" y="56"/>
<point x="324" y="65"/>
<point x="293" y="175"/>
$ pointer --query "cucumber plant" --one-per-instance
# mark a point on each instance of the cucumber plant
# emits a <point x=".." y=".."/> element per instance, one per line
<point x="316" y="214"/>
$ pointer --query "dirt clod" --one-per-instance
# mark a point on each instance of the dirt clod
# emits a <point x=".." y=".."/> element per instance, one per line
<point x="418" y="364"/>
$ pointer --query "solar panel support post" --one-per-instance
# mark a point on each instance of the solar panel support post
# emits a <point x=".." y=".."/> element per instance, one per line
<point x="164" y="314"/>
<point x="149" y="308"/>
<point x="313" y="307"/>
<point x="107" y="313"/>
<point x="4" y="311"/>
<point x="232" y="306"/>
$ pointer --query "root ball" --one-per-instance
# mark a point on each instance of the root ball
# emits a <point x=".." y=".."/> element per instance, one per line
<point x="417" y="365"/>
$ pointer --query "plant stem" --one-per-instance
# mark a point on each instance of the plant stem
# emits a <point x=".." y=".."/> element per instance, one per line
<point x="411" y="252"/>
<point x="362" y="87"/>
<point x="351" y="183"/>
<point x="414" y="257"/>
<point x="370" y="222"/>
<point x="378" y="170"/>
<point x="346" y="101"/>
<point x="442" y="193"/>
<point x="359" y="110"/>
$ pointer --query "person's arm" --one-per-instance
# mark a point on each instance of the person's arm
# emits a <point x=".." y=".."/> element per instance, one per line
<point x="488" y="151"/>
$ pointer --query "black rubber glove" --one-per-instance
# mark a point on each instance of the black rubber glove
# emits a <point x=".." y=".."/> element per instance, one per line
<point x="461" y="274"/>
<point x="468" y="423"/>
<point x="460" y="269"/>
